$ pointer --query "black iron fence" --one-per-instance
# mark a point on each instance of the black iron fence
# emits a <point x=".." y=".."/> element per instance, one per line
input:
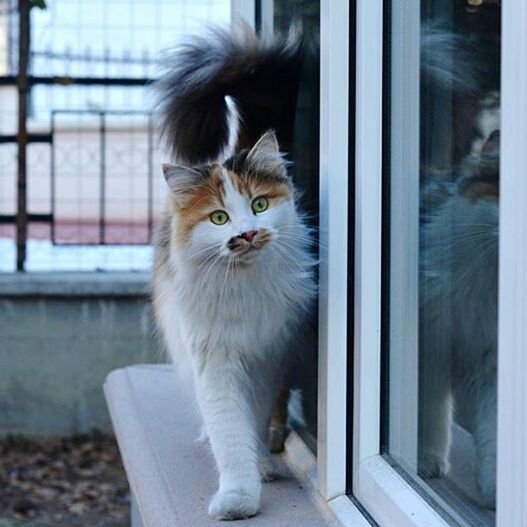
<point x="107" y="133"/>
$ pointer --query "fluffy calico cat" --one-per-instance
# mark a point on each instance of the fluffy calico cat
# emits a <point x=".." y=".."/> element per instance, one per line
<point x="458" y="284"/>
<point x="234" y="275"/>
<point x="458" y="320"/>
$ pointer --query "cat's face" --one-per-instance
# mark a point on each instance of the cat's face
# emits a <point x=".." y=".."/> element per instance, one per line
<point x="484" y="183"/>
<point x="234" y="211"/>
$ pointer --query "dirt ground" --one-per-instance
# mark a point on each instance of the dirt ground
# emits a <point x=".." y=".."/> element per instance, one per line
<point x="73" y="482"/>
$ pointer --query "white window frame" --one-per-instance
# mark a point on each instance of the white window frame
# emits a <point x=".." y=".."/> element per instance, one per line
<point x="380" y="489"/>
<point x="512" y="326"/>
<point x="404" y="232"/>
<point x="389" y="499"/>
<point x="382" y="492"/>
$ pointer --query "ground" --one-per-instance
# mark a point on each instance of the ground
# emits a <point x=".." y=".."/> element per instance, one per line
<point x="73" y="482"/>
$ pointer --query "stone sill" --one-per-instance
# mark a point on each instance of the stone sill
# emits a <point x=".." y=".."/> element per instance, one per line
<point x="75" y="284"/>
<point x="171" y="476"/>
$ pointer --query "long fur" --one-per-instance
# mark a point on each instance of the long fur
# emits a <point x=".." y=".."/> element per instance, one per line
<point x="458" y="320"/>
<point x="224" y="79"/>
<point x="458" y="253"/>
<point x="235" y="322"/>
<point x="448" y="59"/>
<point x="454" y="90"/>
<point x="232" y="299"/>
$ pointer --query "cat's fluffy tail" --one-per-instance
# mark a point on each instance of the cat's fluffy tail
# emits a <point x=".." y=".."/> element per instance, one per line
<point x="224" y="89"/>
<point x="449" y="60"/>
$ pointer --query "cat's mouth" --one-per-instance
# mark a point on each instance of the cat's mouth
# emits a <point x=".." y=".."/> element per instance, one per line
<point x="245" y="248"/>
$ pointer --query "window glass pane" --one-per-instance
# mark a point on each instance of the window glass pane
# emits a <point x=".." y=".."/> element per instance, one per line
<point x="441" y="251"/>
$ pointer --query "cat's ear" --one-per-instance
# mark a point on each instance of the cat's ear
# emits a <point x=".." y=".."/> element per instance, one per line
<point x="490" y="157"/>
<point x="181" y="180"/>
<point x="265" y="156"/>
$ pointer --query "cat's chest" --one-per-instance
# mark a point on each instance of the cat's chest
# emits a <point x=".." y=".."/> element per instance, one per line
<point x="257" y="309"/>
<point x="241" y="308"/>
<point x="252" y="324"/>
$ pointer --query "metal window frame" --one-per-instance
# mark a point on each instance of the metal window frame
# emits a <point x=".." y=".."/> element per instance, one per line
<point x="383" y="493"/>
<point x="333" y="199"/>
<point x="380" y="489"/>
<point x="401" y="174"/>
<point x="512" y="328"/>
<point x="336" y="159"/>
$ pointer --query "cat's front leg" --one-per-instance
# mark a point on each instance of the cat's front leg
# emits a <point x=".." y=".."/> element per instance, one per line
<point x="265" y="404"/>
<point x="485" y="442"/>
<point x="435" y="420"/>
<point x="278" y="425"/>
<point x="225" y="402"/>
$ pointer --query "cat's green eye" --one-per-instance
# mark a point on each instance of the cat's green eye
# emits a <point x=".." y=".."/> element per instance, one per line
<point x="220" y="217"/>
<point x="259" y="204"/>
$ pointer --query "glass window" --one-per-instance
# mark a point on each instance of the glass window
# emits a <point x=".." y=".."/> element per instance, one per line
<point x="441" y="198"/>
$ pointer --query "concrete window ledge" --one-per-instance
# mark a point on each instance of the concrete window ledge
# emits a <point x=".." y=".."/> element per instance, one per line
<point x="172" y="476"/>
<point x="68" y="284"/>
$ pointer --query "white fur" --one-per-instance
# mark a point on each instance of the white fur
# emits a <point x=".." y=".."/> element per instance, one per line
<point x="459" y="335"/>
<point x="234" y="323"/>
<point x="233" y="124"/>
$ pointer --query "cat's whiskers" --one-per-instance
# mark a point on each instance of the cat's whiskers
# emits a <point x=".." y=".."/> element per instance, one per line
<point x="300" y="251"/>
<point x="463" y="239"/>
<point x="289" y="259"/>
<point x="224" y="282"/>
<point x="304" y="239"/>
<point x="208" y="258"/>
<point x="208" y="274"/>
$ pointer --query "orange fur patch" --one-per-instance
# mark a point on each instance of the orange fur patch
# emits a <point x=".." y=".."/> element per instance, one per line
<point x="253" y="185"/>
<point x="207" y="197"/>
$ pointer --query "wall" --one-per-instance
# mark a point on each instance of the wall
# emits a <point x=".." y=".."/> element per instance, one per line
<point x="60" y="335"/>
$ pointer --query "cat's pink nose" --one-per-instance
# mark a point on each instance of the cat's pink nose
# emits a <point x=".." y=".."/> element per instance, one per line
<point x="249" y="235"/>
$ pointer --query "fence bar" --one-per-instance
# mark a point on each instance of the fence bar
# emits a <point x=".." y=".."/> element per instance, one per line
<point x="22" y="85"/>
<point x="41" y="218"/>
<point x="102" y="191"/>
<point x="67" y="80"/>
<point x="31" y="138"/>
<point x="53" y="183"/>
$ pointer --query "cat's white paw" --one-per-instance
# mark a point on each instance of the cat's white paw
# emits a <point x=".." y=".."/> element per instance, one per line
<point x="235" y="504"/>
<point x="433" y="466"/>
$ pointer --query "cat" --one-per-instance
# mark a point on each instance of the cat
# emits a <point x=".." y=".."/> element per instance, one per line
<point x="459" y="216"/>
<point x="458" y="319"/>
<point x="234" y="274"/>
